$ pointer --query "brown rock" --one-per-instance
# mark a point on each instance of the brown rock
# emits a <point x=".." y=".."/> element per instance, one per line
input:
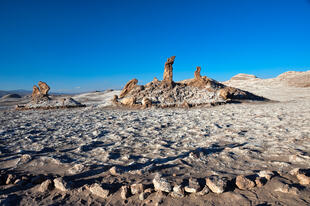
<point x="136" y="188"/>
<point x="129" y="101"/>
<point x="216" y="184"/>
<point x="168" y="73"/>
<point x="35" y="93"/>
<point x="96" y="189"/>
<point x="46" y="186"/>
<point x="303" y="179"/>
<point x="146" y="102"/>
<point x="125" y="193"/>
<point x="60" y="184"/>
<point x="115" y="171"/>
<point x="44" y="88"/>
<point x="10" y="179"/>
<point x="244" y="183"/>
<point x="259" y="182"/>
<point x="128" y="87"/>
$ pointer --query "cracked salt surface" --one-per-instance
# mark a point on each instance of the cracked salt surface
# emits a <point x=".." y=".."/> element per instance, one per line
<point x="229" y="139"/>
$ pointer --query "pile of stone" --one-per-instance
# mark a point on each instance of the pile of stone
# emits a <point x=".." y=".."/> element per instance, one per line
<point x="198" y="91"/>
<point x="40" y="99"/>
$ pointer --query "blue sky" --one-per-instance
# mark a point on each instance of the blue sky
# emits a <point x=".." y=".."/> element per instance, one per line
<point x="76" y="45"/>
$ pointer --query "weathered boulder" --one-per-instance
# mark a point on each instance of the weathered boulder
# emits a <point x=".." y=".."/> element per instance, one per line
<point x="125" y="192"/>
<point x="46" y="186"/>
<point x="128" y="87"/>
<point x="161" y="184"/>
<point x="96" y="189"/>
<point x="244" y="183"/>
<point x="136" y="188"/>
<point x="217" y="184"/>
<point x="60" y="184"/>
<point x="168" y="73"/>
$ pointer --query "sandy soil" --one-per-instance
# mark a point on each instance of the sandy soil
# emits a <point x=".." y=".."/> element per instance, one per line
<point x="82" y="145"/>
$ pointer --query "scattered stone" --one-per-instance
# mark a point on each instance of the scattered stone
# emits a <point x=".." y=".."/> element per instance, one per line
<point x="294" y="171"/>
<point x="60" y="184"/>
<point x="96" y="189"/>
<point x="143" y="196"/>
<point x="204" y="191"/>
<point x="259" y="182"/>
<point x="266" y="174"/>
<point x="10" y="179"/>
<point x="303" y="179"/>
<point x="17" y="181"/>
<point x="193" y="186"/>
<point x="285" y="188"/>
<point x="244" y="183"/>
<point x="136" y="188"/>
<point x="128" y="87"/>
<point x="217" y="184"/>
<point x="46" y="186"/>
<point x="115" y="171"/>
<point x="161" y="184"/>
<point x="125" y="193"/>
<point x="178" y="191"/>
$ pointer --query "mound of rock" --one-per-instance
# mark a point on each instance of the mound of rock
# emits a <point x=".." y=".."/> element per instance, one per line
<point x="200" y="90"/>
<point x="42" y="100"/>
<point x="295" y="79"/>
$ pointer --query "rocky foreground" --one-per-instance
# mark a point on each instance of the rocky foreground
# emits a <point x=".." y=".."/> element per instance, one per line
<point x="235" y="154"/>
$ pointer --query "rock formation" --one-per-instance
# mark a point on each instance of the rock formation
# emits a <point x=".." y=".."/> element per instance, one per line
<point x="128" y="87"/>
<point x="35" y="94"/>
<point x="198" y="91"/>
<point x="44" y="88"/>
<point x="41" y="100"/>
<point x="168" y="73"/>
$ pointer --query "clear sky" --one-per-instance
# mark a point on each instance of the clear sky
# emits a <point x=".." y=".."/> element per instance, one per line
<point x="76" y="45"/>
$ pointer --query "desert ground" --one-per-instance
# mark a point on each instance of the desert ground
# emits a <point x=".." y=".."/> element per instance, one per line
<point x="95" y="155"/>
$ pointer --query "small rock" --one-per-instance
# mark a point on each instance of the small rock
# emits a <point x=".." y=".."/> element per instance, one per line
<point x="136" y="188"/>
<point x="303" y="179"/>
<point x="60" y="184"/>
<point x="266" y="174"/>
<point x="46" y="186"/>
<point x="259" y="182"/>
<point x="17" y="181"/>
<point x="143" y="196"/>
<point x="204" y="191"/>
<point x="244" y="183"/>
<point x="216" y="184"/>
<point x="285" y="188"/>
<point x="115" y="171"/>
<point x="193" y="186"/>
<point x="161" y="184"/>
<point x="125" y="193"/>
<point x="294" y="171"/>
<point x="10" y="179"/>
<point x="38" y="179"/>
<point x="96" y="189"/>
<point x="178" y="191"/>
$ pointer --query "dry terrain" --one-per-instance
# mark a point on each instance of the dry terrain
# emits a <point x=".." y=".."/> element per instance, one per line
<point x="92" y="155"/>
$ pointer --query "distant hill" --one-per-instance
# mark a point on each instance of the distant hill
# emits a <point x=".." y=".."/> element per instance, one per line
<point x="20" y="92"/>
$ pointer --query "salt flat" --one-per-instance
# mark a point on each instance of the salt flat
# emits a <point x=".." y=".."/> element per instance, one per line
<point x="83" y="144"/>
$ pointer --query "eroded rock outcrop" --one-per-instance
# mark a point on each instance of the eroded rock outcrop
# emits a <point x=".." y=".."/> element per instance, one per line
<point x="198" y="91"/>
<point x="168" y="73"/>
<point x="128" y="87"/>
<point x="40" y="99"/>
